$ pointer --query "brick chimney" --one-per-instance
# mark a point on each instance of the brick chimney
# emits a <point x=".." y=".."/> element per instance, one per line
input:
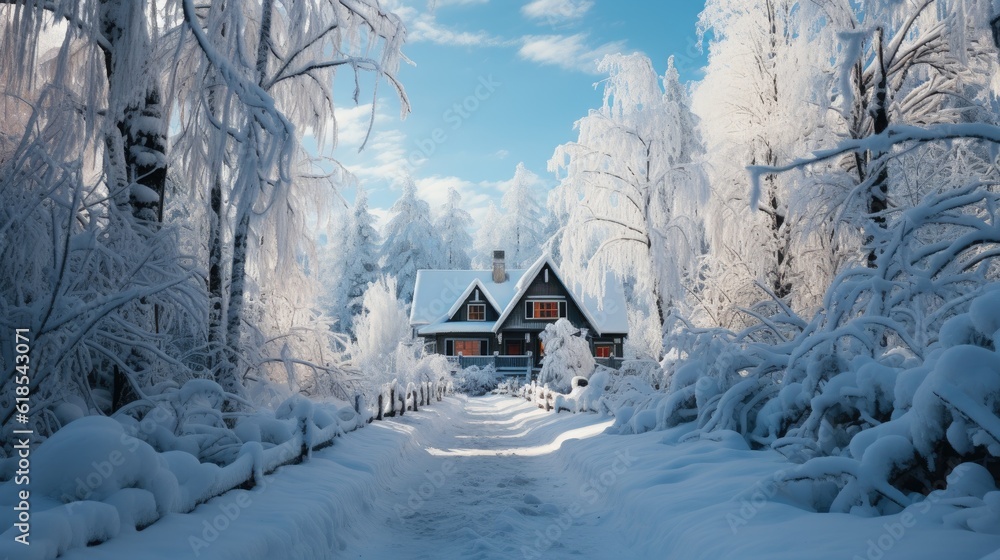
<point x="499" y="269"/>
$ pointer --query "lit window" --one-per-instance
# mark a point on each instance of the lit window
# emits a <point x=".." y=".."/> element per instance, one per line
<point x="602" y="351"/>
<point x="468" y="347"/>
<point x="477" y="312"/>
<point x="544" y="309"/>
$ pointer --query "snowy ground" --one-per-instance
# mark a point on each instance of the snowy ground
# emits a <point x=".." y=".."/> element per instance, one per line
<point x="495" y="477"/>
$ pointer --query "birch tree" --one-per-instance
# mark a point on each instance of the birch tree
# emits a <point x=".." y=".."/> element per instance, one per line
<point x="251" y="105"/>
<point x="631" y="185"/>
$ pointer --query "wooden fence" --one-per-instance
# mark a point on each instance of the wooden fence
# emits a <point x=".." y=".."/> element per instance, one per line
<point x="540" y="395"/>
<point x="253" y="462"/>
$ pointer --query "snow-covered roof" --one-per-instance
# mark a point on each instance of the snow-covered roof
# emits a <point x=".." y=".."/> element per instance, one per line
<point x="438" y="294"/>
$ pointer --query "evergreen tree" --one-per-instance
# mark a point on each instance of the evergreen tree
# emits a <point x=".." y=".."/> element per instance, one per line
<point x="359" y="260"/>
<point x="486" y="238"/>
<point x="411" y="243"/>
<point x="453" y="227"/>
<point x="521" y="230"/>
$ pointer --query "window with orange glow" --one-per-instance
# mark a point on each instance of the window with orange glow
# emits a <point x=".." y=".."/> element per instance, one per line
<point x="468" y="347"/>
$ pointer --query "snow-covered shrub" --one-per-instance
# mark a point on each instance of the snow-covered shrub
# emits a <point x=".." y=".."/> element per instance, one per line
<point x="567" y="355"/>
<point x="586" y="396"/>
<point x="475" y="381"/>
<point x="509" y="386"/>
<point x="381" y="329"/>
<point x="881" y="392"/>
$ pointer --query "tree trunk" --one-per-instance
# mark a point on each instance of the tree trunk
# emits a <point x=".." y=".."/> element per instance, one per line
<point x="229" y="373"/>
<point x="135" y="150"/>
<point x="878" y="196"/>
<point x="216" y="332"/>
<point x="237" y="280"/>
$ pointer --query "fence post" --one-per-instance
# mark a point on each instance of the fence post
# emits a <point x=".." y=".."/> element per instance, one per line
<point x="304" y="448"/>
<point x="415" y="399"/>
<point x="496" y="353"/>
<point x="378" y="415"/>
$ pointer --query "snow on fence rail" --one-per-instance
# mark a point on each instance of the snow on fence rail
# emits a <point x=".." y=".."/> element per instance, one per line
<point x="584" y="397"/>
<point x="119" y="481"/>
<point x="412" y="397"/>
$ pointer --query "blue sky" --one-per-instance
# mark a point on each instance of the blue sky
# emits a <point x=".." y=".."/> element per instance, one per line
<point x="497" y="82"/>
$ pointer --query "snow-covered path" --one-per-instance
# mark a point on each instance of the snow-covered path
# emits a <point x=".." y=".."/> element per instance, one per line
<point x="486" y="484"/>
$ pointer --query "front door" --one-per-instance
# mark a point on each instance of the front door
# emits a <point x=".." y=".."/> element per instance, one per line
<point x="514" y="348"/>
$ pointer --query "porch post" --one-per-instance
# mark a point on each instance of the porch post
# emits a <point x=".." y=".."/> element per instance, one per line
<point x="527" y="369"/>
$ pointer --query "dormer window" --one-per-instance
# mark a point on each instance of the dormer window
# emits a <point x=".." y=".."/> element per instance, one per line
<point x="477" y="312"/>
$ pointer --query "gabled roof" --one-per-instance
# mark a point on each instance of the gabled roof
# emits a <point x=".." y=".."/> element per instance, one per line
<point x="438" y="294"/>
<point x="476" y="283"/>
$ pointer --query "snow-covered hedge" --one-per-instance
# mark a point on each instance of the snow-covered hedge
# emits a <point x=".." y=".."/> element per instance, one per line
<point x="475" y="381"/>
<point x="880" y="395"/>
<point x="124" y="473"/>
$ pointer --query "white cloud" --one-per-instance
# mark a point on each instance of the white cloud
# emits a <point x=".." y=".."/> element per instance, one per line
<point x="426" y="28"/>
<point x="567" y="51"/>
<point x="386" y="159"/>
<point x="556" y="11"/>
<point x="501" y="154"/>
<point x="432" y="4"/>
<point x="423" y="26"/>
<point x="352" y="124"/>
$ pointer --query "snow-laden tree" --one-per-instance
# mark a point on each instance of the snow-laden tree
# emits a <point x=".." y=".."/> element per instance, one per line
<point x="567" y="355"/>
<point x="486" y="240"/>
<point x="87" y="176"/>
<point x="632" y="185"/>
<point x="453" y="226"/>
<point x="761" y="100"/>
<point x="248" y="104"/>
<point x="411" y="242"/>
<point x="87" y="160"/>
<point x="380" y="329"/>
<point x="521" y="231"/>
<point x="912" y="63"/>
<point x="357" y="261"/>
